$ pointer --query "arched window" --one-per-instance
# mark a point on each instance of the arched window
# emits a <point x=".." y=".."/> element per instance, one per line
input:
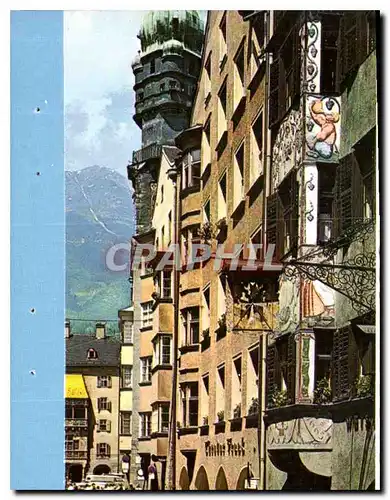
<point x="92" y="354"/>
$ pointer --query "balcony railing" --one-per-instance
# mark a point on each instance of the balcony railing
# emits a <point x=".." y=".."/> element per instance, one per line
<point x="76" y="422"/>
<point x="146" y="153"/>
<point x="76" y="455"/>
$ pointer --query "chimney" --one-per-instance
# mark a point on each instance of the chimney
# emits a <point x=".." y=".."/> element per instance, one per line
<point x="100" y="330"/>
<point x="67" y="329"/>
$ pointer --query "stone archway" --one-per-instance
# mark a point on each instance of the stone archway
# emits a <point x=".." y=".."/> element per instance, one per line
<point x="201" y="481"/>
<point x="241" y="479"/>
<point x="221" y="482"/>
<point x="101" y="469"/>
<point x="184" y="480"/>
<point x="75" y="473"/>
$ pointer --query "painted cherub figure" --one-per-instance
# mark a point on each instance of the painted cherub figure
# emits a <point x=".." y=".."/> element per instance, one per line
<point x="323" y="143"/>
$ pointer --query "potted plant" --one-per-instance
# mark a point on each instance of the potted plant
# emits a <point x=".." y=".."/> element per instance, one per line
<point x="322" y="392"/>
<point x="364" y="386"/>
<point x="221" y="228"/>
<point x="206" y="333"/>
<point x="205" y="232"/>
<point x="237" y="411"/>
<point x="206" y="420"/>
<point x="254" y="407"/>
<point x="277" y="397"/>
<point x="221" y="416"/>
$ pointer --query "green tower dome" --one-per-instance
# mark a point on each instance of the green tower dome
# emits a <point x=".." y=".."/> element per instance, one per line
<point x="159" y="26"/>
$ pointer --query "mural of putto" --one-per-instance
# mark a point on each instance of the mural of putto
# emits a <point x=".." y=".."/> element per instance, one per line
<point x="323" y="128"/>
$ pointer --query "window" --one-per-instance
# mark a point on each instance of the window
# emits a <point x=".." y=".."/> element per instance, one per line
<point x="252" y="380"/>
<point x="329" y="39"/>
<point x="126" y="423"/>
<point x="104" y="381"/>
<point x="140" y="96"/>
<point x="162" y="194"/>
<point x="281" y="364"/>
<point x="163" y="284"/>
<point x="206" y="146"/>
<point x="163" y="418"/>
<point x="72" y="444"/>
<point x="206" y="310"/>
<point x="285" y="77"/>
<point x="357" y="40"/>
<point x="189" y="238"/>
<point x="256" y="168"/>
<point x="222" y="202"/>
<point x="191" y="169"/>
<point x="238" y="76"/>
<point x="236" y="387"/>
<point x="222" y="40"/>
<point x="103" y="450"/>
<point x="162" y="350"/>
<point x="152" y="66"/>
<point x="104" y="425"/>
<point x="104" y="404"/>
<point x="147" y="314"/>
<point x="238" y="175"/>
<point x="222" y="103"/>
<point x="162" y="87"/>
<point x="204" y="399"/>
<point x="92" y="354"/>
<point x="172" y="84"/>
<point x="128" y="330"/>
<point x="145" y="428"/>
<point x="288" y="194"/>
<point x="207" y="78"/>
<point x="191" y="325"/>
<point x="190" y="404"/>
<point x="206" y="212"/>
<point x="323" y="353"/>
<point x="221" y="307"/>
<point x="220" y="394"/>
<point x="169" y="227"/>
<point x="165" y="350"/>
<point x="127" y="377"/>
<point x="326" y="180"/>
<point x="163" y="237"/>
<point x="146" y="367"/>
<point x="257" y="40"/>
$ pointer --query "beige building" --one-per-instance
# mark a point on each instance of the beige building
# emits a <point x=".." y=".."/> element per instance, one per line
<point x="221" y="202"/>
<point x="93" y="362"/>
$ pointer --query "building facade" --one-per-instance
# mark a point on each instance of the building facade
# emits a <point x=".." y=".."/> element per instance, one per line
<point x="270" y="324"/>
<point x="166" y="71"/>
<point x="222" y="202"/>
<point x="92" y="417"/>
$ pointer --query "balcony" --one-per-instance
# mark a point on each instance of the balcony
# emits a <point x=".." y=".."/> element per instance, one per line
<point x="146" y="153"/>
<point x="81" y="423"/>
<point x="76" y="455"/>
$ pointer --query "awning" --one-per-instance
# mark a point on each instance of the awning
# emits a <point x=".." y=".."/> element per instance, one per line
<point x="75" y="387"/>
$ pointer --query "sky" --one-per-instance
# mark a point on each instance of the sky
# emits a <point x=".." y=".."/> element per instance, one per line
<point x="99" y="47"/>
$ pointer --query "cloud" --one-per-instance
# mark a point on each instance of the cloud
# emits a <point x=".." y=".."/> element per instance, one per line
<point x="99" y="101"/>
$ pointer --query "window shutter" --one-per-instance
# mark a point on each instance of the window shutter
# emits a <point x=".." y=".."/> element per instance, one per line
<point x="271" y="218"/>
<point x="294" y="216"/>
<point x="109" y="406"/>
<point x="279" y="228"/>
<point x="98" y="449"/>
<point x="99" y="404"/>
<point x="357" y="201"/>
<point x="108" y="448"/>
<point x="271" y="370"/>
<point x="108" y="425"/>
<point x="344" y="194"/>
<point x="109" y="382"/>
<point x="274" y="93"/>
<point x="340" y="364"/>
<point x="99" y="384"/>
<point x="291" y="364"/>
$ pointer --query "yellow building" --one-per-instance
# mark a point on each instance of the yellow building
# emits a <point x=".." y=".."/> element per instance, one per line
<point x="93" y="372"/>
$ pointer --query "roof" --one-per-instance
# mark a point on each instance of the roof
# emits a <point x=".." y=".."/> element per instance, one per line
<point x="75" y="387"/>
<point x="107" y="349"/>
<point x="172" y="153"/>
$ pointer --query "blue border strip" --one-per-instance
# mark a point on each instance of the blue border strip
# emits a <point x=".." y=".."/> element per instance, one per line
<point x="37" y="251"/>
